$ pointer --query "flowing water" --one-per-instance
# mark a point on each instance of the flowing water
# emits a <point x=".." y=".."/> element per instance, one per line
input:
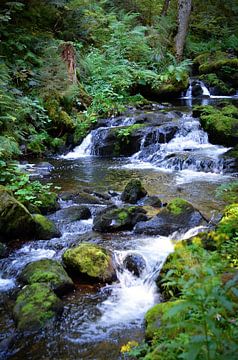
<point x="98" y="320"/>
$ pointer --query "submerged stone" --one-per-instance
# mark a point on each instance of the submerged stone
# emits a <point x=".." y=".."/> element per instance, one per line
<point x="73" y="213"/>
<point x="47" y="271"/>
<point x="90" y="260"/>
<point x="35" y="305"/>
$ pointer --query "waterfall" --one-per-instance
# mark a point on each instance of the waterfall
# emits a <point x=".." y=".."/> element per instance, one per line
<point x="82" y="150"/>
<point x="196" y="86"/>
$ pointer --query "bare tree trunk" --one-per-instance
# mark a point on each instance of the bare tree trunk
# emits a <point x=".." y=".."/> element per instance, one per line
<point x="68" y="55"/>
<point x="184" y="10"/>
<point x="165" y="7"/>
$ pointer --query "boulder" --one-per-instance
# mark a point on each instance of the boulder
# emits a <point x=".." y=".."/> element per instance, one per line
<point x="112" y="220"/>
<point x="74" y="213"/>
<point x="48" y="202"/>
<point x="178" y="215"/>
<point x="133" y="191"/>
<point x="15" y="219"/>
<point x="47" y="271"/>
<point x="35" y="305"/>
<point x="90" y="261"/>
<point x="45" y="228"/>
<point x="135" y="263"/>
<point x="81" y="197"/>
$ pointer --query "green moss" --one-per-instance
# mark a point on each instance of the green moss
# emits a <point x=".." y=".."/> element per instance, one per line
<point x="45" y="228"/>
<point x="47" y="271"/>
<point x="48" y="202"/>
<point x="89" y="259"/>
<point x="35" y="304"/>
<point x="212" y="80"/>
<point x="178" y="206"/>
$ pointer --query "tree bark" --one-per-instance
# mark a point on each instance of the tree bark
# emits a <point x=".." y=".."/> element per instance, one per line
<point x="165" y="7"/>
<point x="68" y="55"/>
<point x="184" y="10"/>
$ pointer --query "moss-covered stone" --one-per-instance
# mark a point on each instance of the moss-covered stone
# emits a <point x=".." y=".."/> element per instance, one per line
<point x="90" y="260"/>
<point x="221" y="64"/>
<point x="47" y="271"/>
<point x="178" y="206"/>
<point x="15" y="219"/>
<point x="155" y="322"/>
<point x="178" y="215"/>
<point x="216" y="85"/>
<point x="133" y="191"/>
<point x="221" y="124"/>
<point x="45" y="228"/>
<point x="111" y="220"/>
<point x="35" y="305"/>
<point x="48" y="202"/>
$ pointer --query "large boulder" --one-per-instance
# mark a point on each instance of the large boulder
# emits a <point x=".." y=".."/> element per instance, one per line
<point x="133" y="191"/>
<point x="15" y="219"/>
<point x="178" y="215"/>
<point x="35" y="305"/>
<point x="90" y="261"/>
<point x="45" y="228"/>
<point x="47" y="271"/>
<point x="135" y="263"/>
<point x="112" y="220"/>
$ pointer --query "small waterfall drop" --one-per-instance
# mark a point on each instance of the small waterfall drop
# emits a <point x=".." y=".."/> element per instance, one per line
<point x="82" y="150"/>
<point x="196" y="88"/>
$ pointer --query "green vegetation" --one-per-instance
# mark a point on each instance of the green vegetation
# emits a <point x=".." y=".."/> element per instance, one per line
<point x="178" y="206"/>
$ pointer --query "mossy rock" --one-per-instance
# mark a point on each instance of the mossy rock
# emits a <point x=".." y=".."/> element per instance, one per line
<point x="49" y="202"/>
<point x="47" y="271"/>
<point x="90" y="261"/>
<point x="178" y="215"/>
<point x="61" y="122"/>
<point x="45" y="228"/>
<point x="229" y="222"/>
<point x="133" y="191"/>
<point x="155" y="322"/>
<point x="15" y="219"/>
<point x="221" y="64"/>
<point x="220" y="124"/>
<point x="35" y="305"/>
<point x="112" y="220"/>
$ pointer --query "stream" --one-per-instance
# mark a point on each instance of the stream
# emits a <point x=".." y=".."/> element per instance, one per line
<point x="172" y="160"/>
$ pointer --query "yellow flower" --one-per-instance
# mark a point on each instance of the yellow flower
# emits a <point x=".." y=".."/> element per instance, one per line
<point x="127" y="347"/>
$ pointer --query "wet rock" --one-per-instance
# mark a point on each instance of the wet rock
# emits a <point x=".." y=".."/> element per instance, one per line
<point x="91" y="261"/>
<point x="82" y="197"/>
<point x="15" y="219"/>
<point x="178" y="215"/>
<point x="135" y="263"/>
<point x="49" y="272"/>
<point x="111" y="219"/>
<point x="73" y="213"/>
<point x="48" y="202"/>
<point x="133" y="191"/>
<point x="162" y="134"/>
<point x="35" y="305"/>
<point x="3" y="250"/>
<point x="153" y="201"/>
<point x="45" y="228"/>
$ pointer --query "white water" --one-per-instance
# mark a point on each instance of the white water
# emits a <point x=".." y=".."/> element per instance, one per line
<point x="82" y="150"/>
<point x="205" y="91"/>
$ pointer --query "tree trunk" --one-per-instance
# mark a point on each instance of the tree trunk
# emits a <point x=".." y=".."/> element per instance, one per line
<point x="68" y="55"/>
<point x="165" y="7"/>
<point x="184" y="10"/>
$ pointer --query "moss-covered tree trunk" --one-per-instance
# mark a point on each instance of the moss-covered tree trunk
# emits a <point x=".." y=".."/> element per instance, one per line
<point x="69" y="56"/>
<point x="165" y="7"/>
<point x="184" y="10"/>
